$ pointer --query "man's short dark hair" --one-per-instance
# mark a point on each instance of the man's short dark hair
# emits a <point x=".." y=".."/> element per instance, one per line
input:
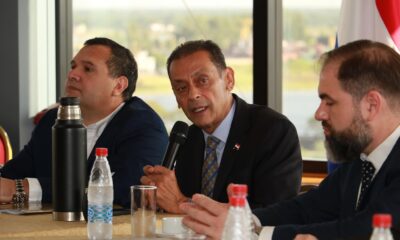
<point x="187" y="48"/>
<point x="366" y="65"/>
<point x="121" y="63"/>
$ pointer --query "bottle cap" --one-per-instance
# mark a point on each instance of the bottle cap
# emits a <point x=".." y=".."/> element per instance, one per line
<point x="382" y="220"/>
<point x="238" y="189"/>
<point x="237" y="201"/>
<point x="102" y="152"/>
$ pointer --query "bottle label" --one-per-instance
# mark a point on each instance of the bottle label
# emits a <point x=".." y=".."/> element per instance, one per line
<point x="100" y="213"/>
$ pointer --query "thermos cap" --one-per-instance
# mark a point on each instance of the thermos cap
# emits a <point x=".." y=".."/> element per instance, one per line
<point x="68" y="101"/>
<point x="102" y="152"/>
<point x="69" y="109"/>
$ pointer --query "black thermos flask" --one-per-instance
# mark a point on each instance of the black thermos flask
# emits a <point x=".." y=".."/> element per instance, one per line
<point x="69" y="163"/>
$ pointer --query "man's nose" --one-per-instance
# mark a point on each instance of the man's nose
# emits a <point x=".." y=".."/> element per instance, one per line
<point x="73" y="76"/>
<point x="194" y="93"/>
<point x="320" y="114"/>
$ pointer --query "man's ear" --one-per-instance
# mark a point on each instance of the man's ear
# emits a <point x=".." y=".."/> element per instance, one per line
<point x="121" y="83"/>
<point x="229" y="78"/>
<point x="371" y="104"/>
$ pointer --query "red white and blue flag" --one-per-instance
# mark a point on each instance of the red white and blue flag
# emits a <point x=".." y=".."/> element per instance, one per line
<point x="377" y="20"/>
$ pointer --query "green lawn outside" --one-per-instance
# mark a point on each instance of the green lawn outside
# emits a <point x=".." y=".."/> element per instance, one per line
<point x="297" y="74"/>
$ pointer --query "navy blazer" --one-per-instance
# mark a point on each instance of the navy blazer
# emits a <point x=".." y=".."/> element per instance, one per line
<point x="135" y="137"/>
<point x="262" y="151"/>
<point x="329" y="211"/>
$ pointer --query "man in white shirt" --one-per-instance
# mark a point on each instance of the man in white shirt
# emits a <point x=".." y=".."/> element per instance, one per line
<point x="359" y="89"/>
<point x="103" y="75"/>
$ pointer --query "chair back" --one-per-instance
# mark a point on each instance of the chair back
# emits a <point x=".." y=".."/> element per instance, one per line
<point x="2" y="153"/>
<point x="5" y="147"/>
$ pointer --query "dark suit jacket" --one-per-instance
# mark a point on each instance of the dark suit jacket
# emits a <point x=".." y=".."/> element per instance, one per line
<point x="328" y="212"/>
<point x="135" y="137"/>
<point x="268" y="160"/>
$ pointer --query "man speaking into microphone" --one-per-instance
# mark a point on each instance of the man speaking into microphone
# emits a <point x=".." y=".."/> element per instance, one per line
<point x="230" y="141"/>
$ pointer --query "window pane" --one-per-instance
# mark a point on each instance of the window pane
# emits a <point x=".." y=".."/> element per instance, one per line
<point x="309" y="29"/>
<point x="151" y="29"/>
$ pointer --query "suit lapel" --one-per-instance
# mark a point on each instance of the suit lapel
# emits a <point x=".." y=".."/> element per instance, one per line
<point x="378" y="181"/>
<point x="236" y="136"/>
<point x="107" y="138"/>
<point x="190" y="161"/>
<point x="198" y="158"/>
<point x="351" y="187"/>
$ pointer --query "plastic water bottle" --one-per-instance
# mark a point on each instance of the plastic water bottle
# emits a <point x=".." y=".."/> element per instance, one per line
<point x="241" y="191"/>
<point x="381" y="224"/>
<point x="237" y="225"/>
<point x="100" y="198"/>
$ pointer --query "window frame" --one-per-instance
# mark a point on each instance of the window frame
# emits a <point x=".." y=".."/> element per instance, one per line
<point x="267" y="58"/>
<point x="267" y="66"/>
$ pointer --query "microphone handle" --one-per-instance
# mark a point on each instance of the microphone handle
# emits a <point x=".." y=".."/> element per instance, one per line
<point x="169" y="159"/>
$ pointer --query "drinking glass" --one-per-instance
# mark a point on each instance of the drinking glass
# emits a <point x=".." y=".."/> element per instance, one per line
<point x="143" y="211"/>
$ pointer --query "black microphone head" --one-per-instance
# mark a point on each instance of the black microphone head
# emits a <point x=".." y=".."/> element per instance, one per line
<point x="179" y="132"/>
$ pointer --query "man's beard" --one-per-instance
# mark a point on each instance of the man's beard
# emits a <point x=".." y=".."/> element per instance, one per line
<point x="347" y="145"/>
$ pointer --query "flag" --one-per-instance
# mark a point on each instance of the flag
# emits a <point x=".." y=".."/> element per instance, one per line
<point x="377" y="20"/>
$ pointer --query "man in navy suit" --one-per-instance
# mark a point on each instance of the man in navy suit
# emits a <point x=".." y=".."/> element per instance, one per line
<point x="103" y="75"/>
<point x="359" y="89"/>
<point x="257" y="146"/>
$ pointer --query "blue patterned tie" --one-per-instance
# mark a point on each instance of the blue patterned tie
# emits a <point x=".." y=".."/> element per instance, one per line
<point x="367" y="172"/>
<point x="210" y="167"/>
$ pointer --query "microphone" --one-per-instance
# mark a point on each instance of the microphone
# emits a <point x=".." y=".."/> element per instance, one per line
<point x="177" y="137"/>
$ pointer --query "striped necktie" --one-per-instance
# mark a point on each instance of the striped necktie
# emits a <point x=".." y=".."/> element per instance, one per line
<point x="210" y="167"/>
<point x="367" y="172"/>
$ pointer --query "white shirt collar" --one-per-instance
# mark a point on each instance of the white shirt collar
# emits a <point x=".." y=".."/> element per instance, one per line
<point x="378" y="156"/>
<point x="107" y="118"/>
<point x="94" y="130"/>
<point x="222" y="131"/>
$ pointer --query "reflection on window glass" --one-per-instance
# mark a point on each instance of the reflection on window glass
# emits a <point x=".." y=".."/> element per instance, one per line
<point x="309" y="29"/>
<point x="151" y="29"/>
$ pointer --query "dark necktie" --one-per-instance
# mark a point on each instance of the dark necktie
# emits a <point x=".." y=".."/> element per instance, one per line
<point x="367" y="172"/>
<point x="210" y="167"/>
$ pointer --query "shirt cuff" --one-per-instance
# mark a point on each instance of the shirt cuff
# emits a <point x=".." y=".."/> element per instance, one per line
<point x="266" y="233"/>
<point x="35" y="190"/>
<point x="256" y="221"/>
